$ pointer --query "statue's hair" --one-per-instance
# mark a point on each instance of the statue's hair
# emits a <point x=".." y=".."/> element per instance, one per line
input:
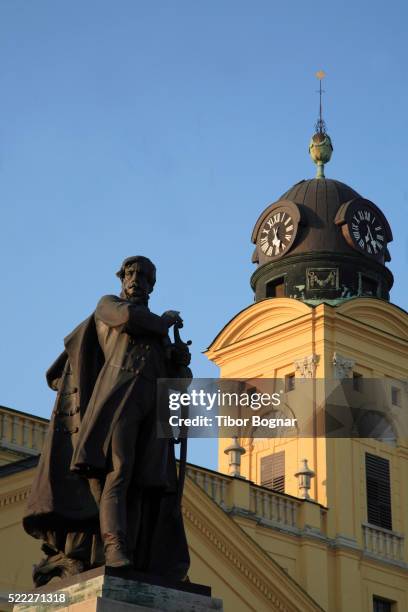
<point x="150" y="267"/>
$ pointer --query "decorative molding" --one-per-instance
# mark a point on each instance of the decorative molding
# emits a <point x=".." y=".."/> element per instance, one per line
<point x="343" y="367"/>
<point x="373" y="557"/>
<point x="340" y="542"/>
<point x="256" y="567"/>
<point x="343" y="541"/>
<point x="259" y="318"/>
<point x="306" y="367"/>
<point x="15" y="497"/>
<point x="322" y="279"/>
<point x="378" y="316"/>
<point x="233" y="557"/>
<point x="20" y="451"/>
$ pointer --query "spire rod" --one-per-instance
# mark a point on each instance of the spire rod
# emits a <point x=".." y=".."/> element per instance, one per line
<point x="320" y="124"/>
<point x="320" y="147"/>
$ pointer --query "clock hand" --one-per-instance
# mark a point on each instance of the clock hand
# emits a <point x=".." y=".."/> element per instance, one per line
<point x="275" y="241"/>
<point x="372" y="239"/>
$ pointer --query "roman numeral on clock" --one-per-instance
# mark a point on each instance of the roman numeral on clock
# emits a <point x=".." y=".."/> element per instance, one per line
<point x="276" y="233"/>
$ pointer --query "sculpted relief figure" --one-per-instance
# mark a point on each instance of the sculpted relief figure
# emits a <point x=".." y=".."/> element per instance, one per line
<point x="106" y="488"/>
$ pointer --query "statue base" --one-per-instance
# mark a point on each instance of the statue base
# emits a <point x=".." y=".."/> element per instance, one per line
<point x="106" y="589"/>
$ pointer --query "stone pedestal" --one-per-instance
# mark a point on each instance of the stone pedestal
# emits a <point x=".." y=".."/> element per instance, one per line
<point x="113" y="590"/>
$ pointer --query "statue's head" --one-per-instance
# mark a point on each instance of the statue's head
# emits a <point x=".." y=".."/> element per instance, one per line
<point x="138" y="276"/>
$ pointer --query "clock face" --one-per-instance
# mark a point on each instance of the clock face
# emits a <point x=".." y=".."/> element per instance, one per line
<point x="367" y="231"/>
<point x="277" y="234"/>
<point x="365" y="228"/>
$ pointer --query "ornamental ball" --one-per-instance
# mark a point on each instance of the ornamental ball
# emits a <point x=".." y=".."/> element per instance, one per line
<point x="320" y="148"/>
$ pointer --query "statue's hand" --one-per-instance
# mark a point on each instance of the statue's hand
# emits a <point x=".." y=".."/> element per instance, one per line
<point x="180" y="355"/>
<point x="172" y="317"/>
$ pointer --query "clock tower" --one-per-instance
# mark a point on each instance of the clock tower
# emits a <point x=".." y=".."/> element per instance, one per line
<point x="322" y="311"/>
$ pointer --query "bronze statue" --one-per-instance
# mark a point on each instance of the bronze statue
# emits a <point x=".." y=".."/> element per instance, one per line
<point x="106" y="488"/>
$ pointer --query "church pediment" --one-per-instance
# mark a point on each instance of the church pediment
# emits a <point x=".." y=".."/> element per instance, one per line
<point x="378" y="314"/>
<point x="259" y="318"/>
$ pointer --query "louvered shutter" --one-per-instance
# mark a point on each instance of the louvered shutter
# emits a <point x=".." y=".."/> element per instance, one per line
<point x="378" y="491"/>
<point x="273" y="471"/>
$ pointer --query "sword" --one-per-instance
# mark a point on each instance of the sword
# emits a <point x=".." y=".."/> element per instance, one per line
<point x="182" y="437"/>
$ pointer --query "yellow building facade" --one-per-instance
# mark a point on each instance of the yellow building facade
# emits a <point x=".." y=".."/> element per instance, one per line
<point x="340" y="559"/>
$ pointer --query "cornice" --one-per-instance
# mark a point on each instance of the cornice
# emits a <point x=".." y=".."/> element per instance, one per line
<point x="278" y="266"/>
<point x="374" y="311"/>
<point x="388" y="337"/>
<point x="378" y="360"/>
<point x="302" y="327"/>
<point x="270" y="337"/>
<point x="340" y="544"/>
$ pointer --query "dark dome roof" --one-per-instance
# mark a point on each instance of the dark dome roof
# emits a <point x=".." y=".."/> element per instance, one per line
<point x="321" y="264"/>
<point x="320" y="200"/>
<point x="320" y="194"/>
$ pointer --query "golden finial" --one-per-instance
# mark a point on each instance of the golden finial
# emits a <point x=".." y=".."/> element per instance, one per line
<point x="321" y="74"/>
<point x="320" y="147"/>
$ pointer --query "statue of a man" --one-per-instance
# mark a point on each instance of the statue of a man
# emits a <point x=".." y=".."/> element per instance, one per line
<point x="106" y="488"/>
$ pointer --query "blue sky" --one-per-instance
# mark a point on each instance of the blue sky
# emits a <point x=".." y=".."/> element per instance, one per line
<point x="165" y="128"/>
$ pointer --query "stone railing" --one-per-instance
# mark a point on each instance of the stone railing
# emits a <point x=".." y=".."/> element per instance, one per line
<point x="268" y="506"/>
<point x="21" y="433"/>
<point x="213" y="483"/>
<point x="383" y="543"/>
<point x="274" y="507"/>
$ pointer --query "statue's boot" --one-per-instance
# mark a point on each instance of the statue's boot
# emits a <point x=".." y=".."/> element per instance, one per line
<point x="115" y="550"/>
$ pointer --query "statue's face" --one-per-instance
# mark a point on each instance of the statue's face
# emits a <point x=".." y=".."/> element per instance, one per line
<point x="136" y="284"/>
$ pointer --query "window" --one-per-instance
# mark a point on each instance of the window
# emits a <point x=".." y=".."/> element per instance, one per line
<point x="357" y="382"/>
<point x="276" y="287"/>
<point x="378" y="491"/>
<point x="369" y="286"/>
<point x="381" y="605"/>
<point x="395" y="396"/>
<point x="290" y="382"/>
<point x="273" y="471"/>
